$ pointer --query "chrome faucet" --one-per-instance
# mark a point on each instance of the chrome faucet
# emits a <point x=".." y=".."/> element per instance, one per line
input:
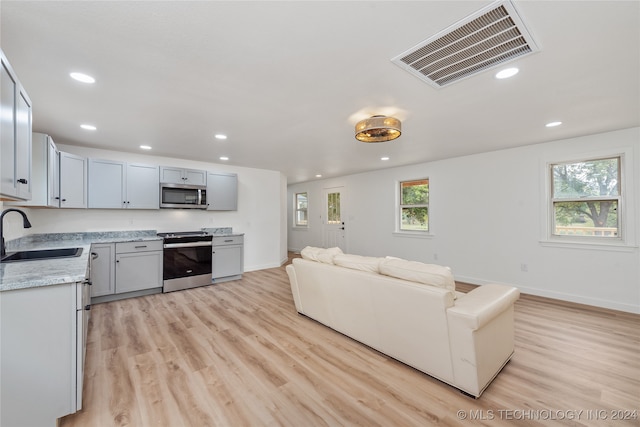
<point x="26" y="224"/>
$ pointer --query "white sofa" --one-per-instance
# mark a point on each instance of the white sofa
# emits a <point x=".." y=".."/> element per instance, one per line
<point x="386" y="303"/>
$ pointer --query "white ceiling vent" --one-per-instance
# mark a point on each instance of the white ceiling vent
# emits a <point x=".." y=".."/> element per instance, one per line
<point x="490" y="37"/>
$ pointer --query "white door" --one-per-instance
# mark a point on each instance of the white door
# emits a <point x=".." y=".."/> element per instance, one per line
<point x="333" y="218"/>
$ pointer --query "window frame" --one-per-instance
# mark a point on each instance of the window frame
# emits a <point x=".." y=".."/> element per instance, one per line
<point x="399" y="207"/>
<point x="297" y="209"/>
<point x="620" y="199"/>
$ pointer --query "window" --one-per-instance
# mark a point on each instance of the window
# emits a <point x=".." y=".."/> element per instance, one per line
<point x="414" y="205"/>
<point x="586" y="198"/>
<point x="333" y="208"/>
<point x="301" y="208"/>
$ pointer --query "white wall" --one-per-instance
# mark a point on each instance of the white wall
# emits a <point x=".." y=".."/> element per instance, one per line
<point x="259" y="214"/>
<point x="488" y="218"/>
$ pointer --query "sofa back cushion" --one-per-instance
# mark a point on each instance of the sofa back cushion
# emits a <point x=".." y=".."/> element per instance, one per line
<point x="358" y="262"/>
<point x="320" y="254"/>
<point x="414" y="271"/>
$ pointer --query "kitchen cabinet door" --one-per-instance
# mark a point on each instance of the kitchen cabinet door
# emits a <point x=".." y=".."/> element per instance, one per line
<point x="172" y="175"/>
<point x="23" y="146"/>
<point x="106" y="184"/>
<point x="103" y="274"/>
<point x="8" y="89"/>
<point x="45" y="178"/>
<point x="73" y="181"/>
<point x="227" y="261"/>
<point x="143" y="187"/>
<point x="53" y="174"/>
<point x="15" y="135"/>
<point x="39" y="355"/>
<point x="222" y="192"/>
<point x="138" y="271"/>
<point x="195" y="177"/>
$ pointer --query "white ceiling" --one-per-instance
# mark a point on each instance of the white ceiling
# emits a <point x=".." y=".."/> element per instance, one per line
<point x="286" y="81"/>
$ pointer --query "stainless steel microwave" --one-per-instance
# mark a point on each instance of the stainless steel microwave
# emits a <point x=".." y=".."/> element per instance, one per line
<point x="183" y="196"/>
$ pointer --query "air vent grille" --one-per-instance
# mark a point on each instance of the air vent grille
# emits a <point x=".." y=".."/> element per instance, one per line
<point x="491" y="37"/>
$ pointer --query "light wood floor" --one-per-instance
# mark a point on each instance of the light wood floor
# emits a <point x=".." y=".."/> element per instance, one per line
<point x="238" y="354"/>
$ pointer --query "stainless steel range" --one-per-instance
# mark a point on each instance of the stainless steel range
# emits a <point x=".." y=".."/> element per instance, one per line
<point x="187" y="260"/>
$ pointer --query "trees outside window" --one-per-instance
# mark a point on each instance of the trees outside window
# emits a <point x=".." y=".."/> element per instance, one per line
<point x="414" y="205"/>
<point x="301" y="210"/>
<point x="586" y="197"/>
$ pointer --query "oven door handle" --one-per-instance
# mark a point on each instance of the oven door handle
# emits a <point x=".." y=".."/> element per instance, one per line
<point x="186" y="245"/>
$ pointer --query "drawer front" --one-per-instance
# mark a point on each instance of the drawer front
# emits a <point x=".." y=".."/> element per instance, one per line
<point x="145" y="246"/>
<point x="227" y="240"/>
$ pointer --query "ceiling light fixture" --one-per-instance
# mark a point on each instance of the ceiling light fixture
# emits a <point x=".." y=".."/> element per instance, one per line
<point x="553" y="124"/>
<point x="220" y="136"/>
<point x="84" y="78"/>
<point x="506" y="73"/>
<point x="88" y="127"/>
<point x="145" y="147"/>
<point x="224" y="158"/>
<point x="378" y="129"/>
<point x="384" y="159"/>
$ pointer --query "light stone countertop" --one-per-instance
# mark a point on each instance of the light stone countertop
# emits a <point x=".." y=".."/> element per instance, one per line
<point x="33" y="274"/>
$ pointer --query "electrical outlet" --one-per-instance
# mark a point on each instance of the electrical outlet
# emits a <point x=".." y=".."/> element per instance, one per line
<point x="524" y="268"/>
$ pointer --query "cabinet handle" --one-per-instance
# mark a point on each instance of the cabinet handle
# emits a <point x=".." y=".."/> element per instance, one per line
<point x="140" y="247"/>
<point x="87" y="307"/>
<point x="94" y="255"/>
<point x="57" y="198"/>
<point x="64" y="200"/>
<point x="22" y="181"/>
<point x="230" y="240"/>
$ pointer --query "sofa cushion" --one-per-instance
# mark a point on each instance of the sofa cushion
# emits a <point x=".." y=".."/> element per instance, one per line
<point x="414" y="271"/>
<point x="358" y="262"/>
<point x="320" y="254"/>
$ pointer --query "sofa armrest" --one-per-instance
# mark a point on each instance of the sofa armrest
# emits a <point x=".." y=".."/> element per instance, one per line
<point x="481" y="305"/>
<point x="293" y="281"/>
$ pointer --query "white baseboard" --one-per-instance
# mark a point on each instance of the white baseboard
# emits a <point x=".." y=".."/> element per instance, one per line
<point x="597" y="302"/>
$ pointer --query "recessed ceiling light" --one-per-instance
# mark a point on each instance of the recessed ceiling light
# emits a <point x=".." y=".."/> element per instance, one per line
<point x="224" y="158"/>
<point x="506" y="73"/>
<point x="220" y="136"/>
<point x="84" y="78"/>
<point x="318" y="176"/>
<point x="384" y="158"/>
<point x="145" y="147"/>
<point x="553" y="124"/>
<point x="88" y="127"/>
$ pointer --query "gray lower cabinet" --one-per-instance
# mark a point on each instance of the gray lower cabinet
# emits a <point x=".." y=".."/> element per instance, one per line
<point x="138" y="266"/>
<point x="42" y="354"/>
<point x="103" y="269"/>
<point x="125" y="269"/>
<point x="227" y="258"/>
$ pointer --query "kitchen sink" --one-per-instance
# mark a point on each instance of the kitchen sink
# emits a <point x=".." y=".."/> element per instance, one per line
<point x="42" y="254"/>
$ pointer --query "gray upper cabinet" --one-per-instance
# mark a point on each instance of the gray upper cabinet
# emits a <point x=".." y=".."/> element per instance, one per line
<point x="73" y="181"/>
<point x="45" y="173"/>
<point x="172" y="175"/>
<point x="222" y="191"/>
<point x="107" y="184"/>
<point x="119" y="185"/>
<point x="53" y="174"/>
<point x="15" y="135"/>
<point x="143" y="187"/>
